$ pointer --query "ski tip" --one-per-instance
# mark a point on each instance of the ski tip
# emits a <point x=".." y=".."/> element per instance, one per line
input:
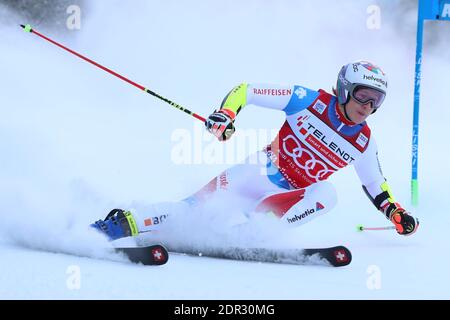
<point x="359" y="227"/>
<point x="26" y="28"/>
<point x="340" y="257"/>
<point x="147" y="255"/>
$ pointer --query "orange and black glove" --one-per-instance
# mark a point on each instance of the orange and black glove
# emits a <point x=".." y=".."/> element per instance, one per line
<point x="405" y="224"/>
<point x="221" y="124"/>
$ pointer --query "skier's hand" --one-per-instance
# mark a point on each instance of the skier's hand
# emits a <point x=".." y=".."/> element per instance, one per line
<point x="221" y="124"/>
<point x="405" y="224"/>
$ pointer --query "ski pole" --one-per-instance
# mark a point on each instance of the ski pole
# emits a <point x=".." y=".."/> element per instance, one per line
<point x="28" y="28"/>
<point x="361" y="228"/>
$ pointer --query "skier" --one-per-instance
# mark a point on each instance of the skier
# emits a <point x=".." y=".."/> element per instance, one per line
<point x="322" y="134"/>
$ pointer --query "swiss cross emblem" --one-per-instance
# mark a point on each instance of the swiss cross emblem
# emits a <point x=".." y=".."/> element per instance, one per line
<point x="341" y="256"/>
<point x="157" y="254"/>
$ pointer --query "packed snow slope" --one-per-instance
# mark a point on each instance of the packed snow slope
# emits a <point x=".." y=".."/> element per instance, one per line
<point x="76" y="142"/>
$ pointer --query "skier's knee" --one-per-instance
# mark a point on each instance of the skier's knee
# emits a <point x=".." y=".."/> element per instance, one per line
<point x="324" y="191"/>
<point x="319" y="199"/>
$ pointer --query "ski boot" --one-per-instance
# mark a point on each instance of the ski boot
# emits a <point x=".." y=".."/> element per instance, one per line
<point x="117" y="224"/>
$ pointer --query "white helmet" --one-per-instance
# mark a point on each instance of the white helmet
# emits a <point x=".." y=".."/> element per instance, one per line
<point x="361" y="75"/>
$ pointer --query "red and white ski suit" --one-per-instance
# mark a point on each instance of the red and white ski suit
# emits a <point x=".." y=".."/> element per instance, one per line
<point x="288" y="178"/>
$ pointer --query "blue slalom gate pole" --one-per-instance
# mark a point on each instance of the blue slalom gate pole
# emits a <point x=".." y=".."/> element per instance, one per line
<point x="428" y="10"/>
<point x="415" y="133"/>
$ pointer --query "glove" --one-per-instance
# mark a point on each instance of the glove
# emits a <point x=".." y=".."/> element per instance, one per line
<point x="404" y="223"/>
<point x="221" y="124"/>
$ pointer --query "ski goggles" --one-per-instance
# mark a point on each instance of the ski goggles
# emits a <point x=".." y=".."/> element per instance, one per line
<point x="364" y="95"/>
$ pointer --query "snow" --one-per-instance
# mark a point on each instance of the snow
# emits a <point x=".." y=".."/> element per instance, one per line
<point x="76" y="142"/>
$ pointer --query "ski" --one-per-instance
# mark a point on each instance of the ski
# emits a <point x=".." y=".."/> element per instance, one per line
<point x="148" y="255"/>
<point x="338" y="256"/>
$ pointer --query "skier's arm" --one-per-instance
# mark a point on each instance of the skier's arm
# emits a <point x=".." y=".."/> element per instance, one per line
<point x="377" y="189"/>
<point x="289" y="99"/>
<point x="279" y="97"/>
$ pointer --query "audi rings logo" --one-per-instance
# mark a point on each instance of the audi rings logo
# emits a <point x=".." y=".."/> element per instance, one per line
<point x="305" y="159"/>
